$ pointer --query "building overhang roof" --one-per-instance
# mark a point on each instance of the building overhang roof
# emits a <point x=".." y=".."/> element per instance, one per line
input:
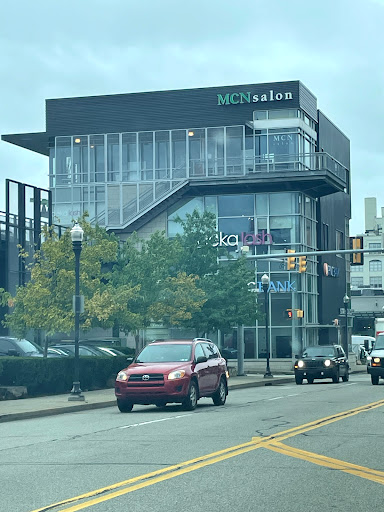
<point x="37" y="142"/>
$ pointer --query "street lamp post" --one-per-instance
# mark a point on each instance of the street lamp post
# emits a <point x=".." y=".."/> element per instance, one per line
<point x="346" y="302"/>
<point x="265" y="285"/>
<point x="77" y="239"/>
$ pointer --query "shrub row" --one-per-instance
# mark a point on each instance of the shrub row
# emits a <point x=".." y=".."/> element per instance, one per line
<point x="55" y="375"/>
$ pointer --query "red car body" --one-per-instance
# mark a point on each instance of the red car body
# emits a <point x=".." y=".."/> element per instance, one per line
<point x="199" y="369"/>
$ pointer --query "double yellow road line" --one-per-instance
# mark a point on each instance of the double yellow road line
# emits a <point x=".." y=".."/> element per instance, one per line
<point x="272" y="442"/>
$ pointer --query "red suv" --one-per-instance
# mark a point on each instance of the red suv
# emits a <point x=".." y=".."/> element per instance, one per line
<point x="180" y="371"/>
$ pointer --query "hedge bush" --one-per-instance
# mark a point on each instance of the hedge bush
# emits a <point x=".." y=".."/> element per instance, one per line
<point x="55" y="375"/>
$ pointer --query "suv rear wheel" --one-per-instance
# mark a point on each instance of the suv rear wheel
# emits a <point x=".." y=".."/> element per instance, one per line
<point x="220" y="395"/>
<point x="190" y="402"/>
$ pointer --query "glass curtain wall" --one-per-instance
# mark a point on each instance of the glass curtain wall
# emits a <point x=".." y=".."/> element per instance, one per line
<point x="137" y="168"/>
<point x="272" y="223"/>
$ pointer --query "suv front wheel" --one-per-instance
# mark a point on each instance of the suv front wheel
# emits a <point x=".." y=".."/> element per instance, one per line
<point x="220" y="395"/>
<point x="190" y="402"/>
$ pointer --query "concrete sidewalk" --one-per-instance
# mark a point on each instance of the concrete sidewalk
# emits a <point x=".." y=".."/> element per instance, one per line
<point x="24" y="408"/>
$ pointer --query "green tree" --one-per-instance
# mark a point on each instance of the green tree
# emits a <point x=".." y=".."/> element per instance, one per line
<point x="228" y="300"/>
<point x="167" y="295"/>
<point x="45" y="302"/>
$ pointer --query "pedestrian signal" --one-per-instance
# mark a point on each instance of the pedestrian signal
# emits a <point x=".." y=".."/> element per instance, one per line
<point x="288" y="313"/>
<point x="291" y="260"/>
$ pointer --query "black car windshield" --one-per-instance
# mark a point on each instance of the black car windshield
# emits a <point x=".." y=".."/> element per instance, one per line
<point x="165" y="353"/>
<point x="319" y="352"/>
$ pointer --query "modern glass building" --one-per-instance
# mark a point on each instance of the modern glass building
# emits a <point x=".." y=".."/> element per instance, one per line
<point x="271" y="166"/>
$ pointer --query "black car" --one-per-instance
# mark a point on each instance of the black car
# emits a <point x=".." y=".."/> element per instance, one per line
<point x="20" y="347"/>
<point x="322" y="362"/>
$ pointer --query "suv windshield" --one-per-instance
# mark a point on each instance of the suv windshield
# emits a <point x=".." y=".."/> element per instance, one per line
<point x="379" y="342"/>
<point x="165" y="353"/>
<point x="319" y="352"/>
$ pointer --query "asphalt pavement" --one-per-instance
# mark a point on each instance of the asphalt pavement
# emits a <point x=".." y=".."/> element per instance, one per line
<point x="24" y="408"/>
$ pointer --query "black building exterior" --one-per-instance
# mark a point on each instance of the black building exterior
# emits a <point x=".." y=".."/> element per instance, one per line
<point x="271" y="166"/>
<point x="28" y="208"/>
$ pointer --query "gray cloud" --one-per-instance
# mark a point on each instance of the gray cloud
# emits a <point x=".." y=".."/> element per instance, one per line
<point x="51" y="49"/>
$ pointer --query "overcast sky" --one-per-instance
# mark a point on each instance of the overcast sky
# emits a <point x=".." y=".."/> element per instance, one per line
<point x="52" y="49"/>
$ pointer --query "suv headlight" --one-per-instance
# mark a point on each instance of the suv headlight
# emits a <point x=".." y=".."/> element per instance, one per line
<point x="122" y="376"/>
<point x="177" y="374"/>
<point x="327" y="362"/>
<point x="300" y="364"/>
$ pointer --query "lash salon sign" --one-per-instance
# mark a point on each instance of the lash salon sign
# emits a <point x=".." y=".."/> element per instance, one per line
<point x="247" y="97"/>
<point x="249" y="239"/>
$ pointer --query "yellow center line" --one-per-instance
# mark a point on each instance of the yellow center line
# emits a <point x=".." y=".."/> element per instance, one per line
<point x="133" y="484"/>
<point x="322" y="460"/>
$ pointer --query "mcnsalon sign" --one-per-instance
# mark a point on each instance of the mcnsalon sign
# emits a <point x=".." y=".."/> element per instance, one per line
<point x="235" y="98"/>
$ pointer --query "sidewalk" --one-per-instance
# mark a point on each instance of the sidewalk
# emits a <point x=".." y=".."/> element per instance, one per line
<point x="24" y="408"/>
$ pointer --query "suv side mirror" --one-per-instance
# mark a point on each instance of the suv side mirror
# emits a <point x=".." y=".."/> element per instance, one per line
<point x="129" y="360"/>
<point x="201" y="359"/>
<point x="297" y="356"/>
<point x="366" y="345"/>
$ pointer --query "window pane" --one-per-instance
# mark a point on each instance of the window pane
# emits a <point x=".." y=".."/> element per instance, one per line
<point x="232" y="206"/>
<point x="130" y="163"/>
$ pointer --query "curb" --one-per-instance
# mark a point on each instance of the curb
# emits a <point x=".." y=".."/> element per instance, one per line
<point x="100" y="405"/>
<point x="54" y="411"/>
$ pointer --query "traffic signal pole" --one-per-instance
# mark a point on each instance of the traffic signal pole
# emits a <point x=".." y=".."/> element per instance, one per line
<point x="311" y="253"/>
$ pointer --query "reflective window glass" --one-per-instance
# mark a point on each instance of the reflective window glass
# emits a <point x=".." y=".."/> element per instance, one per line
<point x="235" y="205"/>
<point x="146" y="155"/>
<point x="129" y="157"/>
<point x="196" y="140"/>
<point x="179" y="153"/>
<point x="284" y="203"/>
<point x="162" y="155"/>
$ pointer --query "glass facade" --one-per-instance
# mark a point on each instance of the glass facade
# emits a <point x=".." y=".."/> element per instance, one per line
<point x="275" y="222"/>
<point x="116" y="176"/>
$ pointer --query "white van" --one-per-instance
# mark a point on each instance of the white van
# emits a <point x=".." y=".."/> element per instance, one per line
<point x="358" y="346"/>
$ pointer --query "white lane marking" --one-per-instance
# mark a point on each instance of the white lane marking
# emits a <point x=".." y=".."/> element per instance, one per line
<point x="296" y="394"/>
<point x="276" y="398"/>
<point x="156" y="421"/>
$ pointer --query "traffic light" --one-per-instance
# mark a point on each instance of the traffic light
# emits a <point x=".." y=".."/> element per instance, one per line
<point x="302" y="264"/>
<point x="291" y="260"/>
<point x="290" y="313"/>
<point x="357" y="258"/>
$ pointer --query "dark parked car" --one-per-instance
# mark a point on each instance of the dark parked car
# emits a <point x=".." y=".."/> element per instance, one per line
<point x="322" y="362"/>
<point x="23" y="348"/>
<point x="84" y="350"/>
<point x="173" y="371"/>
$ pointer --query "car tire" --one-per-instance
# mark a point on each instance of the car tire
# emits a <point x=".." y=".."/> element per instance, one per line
<point x="310" y="380"/>
<point x="220" y="395"/>
<point x="375" y="380"/>
<point x="124" y="406"/>
<point x="190" y="402"/>
<point x="346" y="376"/>
<point x="336" y="377"/>
<point x="298" y="379"/>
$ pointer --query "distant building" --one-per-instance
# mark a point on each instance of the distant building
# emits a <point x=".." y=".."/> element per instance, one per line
<point x="367" y="280"/>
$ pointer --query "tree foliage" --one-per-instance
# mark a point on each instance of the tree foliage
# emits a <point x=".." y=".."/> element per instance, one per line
<point x="46" y="301"/>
